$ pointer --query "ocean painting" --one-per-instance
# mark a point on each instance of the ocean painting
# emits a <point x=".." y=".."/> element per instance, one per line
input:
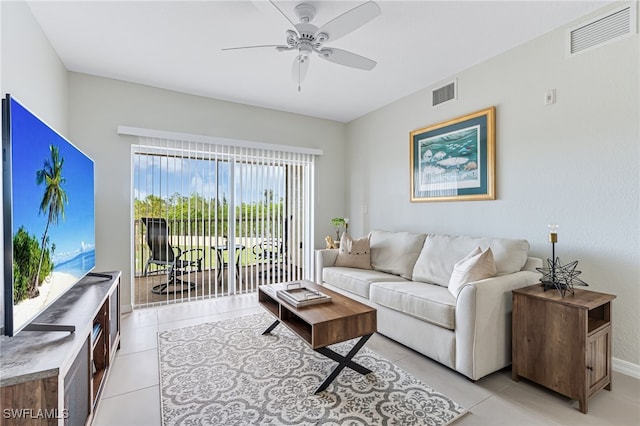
<point x="449" y="161"/>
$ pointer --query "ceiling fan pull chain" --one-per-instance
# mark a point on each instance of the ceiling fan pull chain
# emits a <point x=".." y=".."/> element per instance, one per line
<point x="299" y="88"/>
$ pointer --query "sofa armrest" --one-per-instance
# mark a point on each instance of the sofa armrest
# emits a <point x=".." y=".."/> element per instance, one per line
<point x="324" y="258"/>
<point x="483" y="323"/>
<point x="532" y="263"/>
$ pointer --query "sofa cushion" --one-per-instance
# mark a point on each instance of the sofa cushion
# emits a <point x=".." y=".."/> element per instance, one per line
<point x="395" y="252"/>
<point x="441" y="252"/>
<point x="356" y="281"/>
<point x="476" y="266"/>
<point x="427" y="302"/>
<point x="354" y="253"/>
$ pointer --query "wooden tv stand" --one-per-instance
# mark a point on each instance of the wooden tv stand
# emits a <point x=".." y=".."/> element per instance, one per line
<point x="56" y="377"/>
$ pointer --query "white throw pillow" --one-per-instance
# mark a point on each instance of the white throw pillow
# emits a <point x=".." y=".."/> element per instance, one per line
<point x="354" y="253"/>
<point x="476" y="266"/>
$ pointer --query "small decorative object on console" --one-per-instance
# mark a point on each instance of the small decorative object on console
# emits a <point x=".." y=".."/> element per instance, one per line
<point x="339" y="222"/>
<point x="330" y="243"/>
<point x="299" y="296"/>
<point x="559" y="276"/>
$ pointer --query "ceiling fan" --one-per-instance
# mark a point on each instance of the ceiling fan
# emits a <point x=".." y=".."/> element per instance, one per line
<point x="307" y="38"/>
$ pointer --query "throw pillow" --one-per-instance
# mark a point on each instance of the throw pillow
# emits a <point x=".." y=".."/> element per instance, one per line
<point x="354" y="253"/>
<point x="395" y="252"/>
<point x="476" y="266"/>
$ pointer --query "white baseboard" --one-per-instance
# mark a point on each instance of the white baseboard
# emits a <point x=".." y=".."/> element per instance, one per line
<point x="125" y="309"/>
<point x="626" y="367"/>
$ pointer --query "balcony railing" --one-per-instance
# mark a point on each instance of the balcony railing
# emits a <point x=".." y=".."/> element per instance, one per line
<point x="258" y="259"/>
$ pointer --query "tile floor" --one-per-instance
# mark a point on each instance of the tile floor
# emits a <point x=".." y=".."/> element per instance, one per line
<point x="132" y="396"/>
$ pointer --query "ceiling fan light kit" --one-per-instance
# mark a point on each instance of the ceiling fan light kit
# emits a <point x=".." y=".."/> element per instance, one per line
<point x="308" y="38"/>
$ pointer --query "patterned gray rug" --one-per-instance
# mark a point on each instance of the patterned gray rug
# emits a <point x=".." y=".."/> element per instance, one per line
<point x="227" y="373"/>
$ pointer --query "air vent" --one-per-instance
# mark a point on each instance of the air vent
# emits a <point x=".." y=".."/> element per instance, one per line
<point x="444" y="93"/>
<point x="603" y="29"/>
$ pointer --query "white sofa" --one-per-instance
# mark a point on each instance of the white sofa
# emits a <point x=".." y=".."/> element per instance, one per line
<point x="408" y="285"/>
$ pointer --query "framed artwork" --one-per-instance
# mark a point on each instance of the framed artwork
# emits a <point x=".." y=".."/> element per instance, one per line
<point x="454" y="160"/>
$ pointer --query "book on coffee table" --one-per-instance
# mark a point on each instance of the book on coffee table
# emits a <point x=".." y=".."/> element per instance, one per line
<point x="298" y="296"/>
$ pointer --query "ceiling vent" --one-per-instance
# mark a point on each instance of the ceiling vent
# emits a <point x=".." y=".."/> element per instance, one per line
<point x="612" y="26"/>
<point x="444" y="93"/>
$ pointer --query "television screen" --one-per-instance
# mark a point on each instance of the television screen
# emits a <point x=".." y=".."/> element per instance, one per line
<point x="48" y="211"/>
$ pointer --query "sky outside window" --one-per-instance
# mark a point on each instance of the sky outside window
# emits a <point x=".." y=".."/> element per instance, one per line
<point x="164" y="176"/>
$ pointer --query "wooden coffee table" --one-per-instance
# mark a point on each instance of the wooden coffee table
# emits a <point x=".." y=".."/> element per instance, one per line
<point x="322" y="325"/>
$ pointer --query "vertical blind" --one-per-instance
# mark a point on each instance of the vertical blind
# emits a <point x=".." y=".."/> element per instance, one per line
<point x="212" y="219"/>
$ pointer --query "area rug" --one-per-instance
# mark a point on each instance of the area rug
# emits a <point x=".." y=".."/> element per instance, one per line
<point x="228" y="373"/>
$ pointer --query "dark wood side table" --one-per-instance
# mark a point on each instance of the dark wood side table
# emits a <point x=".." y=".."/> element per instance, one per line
<point x="561" y="343"/>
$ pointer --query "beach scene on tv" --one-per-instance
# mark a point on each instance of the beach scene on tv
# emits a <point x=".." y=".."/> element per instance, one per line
<point x="53" y="215"/>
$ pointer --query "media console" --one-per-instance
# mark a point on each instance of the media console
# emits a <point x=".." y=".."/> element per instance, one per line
<point x="56" y="377"/>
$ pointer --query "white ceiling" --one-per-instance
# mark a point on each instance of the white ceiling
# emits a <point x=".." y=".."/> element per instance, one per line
<point x="177" y="45"/>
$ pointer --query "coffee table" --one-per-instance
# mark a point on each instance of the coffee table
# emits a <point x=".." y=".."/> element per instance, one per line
<point x="324" y="324"/>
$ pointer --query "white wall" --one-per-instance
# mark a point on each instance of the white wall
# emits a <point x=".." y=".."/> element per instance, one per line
<point x="31" y="71"/>
<point x="99" y="105"/>
<point x="574" y="163"/>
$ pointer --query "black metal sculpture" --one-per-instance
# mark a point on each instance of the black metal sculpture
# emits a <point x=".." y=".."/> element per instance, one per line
<point x="556" y="275"/>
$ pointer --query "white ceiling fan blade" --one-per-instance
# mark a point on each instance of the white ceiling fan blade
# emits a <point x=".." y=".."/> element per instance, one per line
<point x="279" y="47"/>
<point x="350" y="20"/>
<point x="348" y="59"/>
<point x="299" y="69"/>
<point x="283" y="14"/>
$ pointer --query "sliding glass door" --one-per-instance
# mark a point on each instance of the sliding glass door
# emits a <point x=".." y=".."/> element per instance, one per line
<point x="212" y="220"/>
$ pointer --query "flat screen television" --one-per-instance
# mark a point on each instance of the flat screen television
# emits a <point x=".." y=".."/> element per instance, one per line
<point x="48" y="215"/>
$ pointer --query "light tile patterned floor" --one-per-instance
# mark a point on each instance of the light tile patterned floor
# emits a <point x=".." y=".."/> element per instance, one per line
<point x="132" y="395"/>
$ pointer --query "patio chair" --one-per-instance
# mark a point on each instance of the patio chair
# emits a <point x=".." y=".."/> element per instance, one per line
<point x="173" y="260"/>
<point x="273" y="252"/>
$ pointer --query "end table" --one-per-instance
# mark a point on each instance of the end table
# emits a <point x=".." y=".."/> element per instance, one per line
<point x="562" y="343"/>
